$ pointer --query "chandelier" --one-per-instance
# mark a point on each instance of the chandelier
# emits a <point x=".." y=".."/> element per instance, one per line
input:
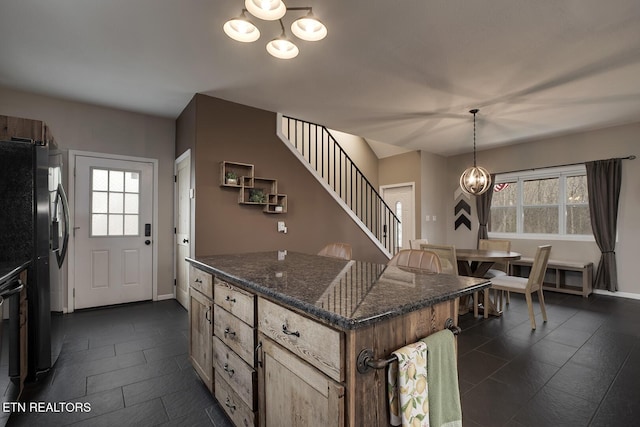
<point x="307" y="27"/>
<point x="475" y="180"/>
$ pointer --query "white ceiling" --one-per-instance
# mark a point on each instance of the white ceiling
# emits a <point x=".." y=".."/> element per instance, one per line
<point x="403" y="72"/>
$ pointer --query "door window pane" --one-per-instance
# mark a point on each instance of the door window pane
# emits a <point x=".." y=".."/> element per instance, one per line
<point x="98" y="225"/>
<point x="100" y="179"/>
<point x="115" y="193"/>
<point x="131" y="182"/>
<point x="116" y="223"/>
<point x="99" y="202"/>
<point x="131" y="225"/>
<point x="116" y="181"/>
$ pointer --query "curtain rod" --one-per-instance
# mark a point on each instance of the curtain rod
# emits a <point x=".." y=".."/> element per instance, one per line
<point x="631" y="157"/>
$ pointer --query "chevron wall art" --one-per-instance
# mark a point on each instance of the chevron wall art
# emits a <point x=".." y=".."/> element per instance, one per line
<point x="461" y="206"/>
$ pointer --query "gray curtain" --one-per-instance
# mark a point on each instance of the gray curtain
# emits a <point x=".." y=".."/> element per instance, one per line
<point x="483" y="206"/>
<point x="604" y="178"/>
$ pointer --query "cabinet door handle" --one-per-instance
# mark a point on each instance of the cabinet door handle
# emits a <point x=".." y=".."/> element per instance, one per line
<point x="259" y="353"/>
<point x="228" y="370"/>
<point x="229" y="405"/>
<point x="207" y="315"/>
<point x="228" y="298"/>
<point x="198" y="280"/>
<point x="288" y="332"/>
<point x="228" y="331"/>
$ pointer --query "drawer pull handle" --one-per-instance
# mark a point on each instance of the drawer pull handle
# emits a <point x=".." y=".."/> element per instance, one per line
<point x="228" y="370"/>
<point x="207" y="315"/>
<point x="288" y="332"/>
<point x="229" y="405"/>
<point x="228" y="331"/>
<point x="228" y="298"/>
<point x="198" y="280"/>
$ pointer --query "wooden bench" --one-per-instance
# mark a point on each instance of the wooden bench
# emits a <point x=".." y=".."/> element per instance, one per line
<point x="570" y="277"/>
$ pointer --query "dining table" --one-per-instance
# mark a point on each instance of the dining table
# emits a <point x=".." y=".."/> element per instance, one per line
<point x="476" y="263"/>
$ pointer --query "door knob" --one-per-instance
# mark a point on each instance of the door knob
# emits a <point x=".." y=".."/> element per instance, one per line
<point x="147" y="242"/>
<point x="185" y="240"/>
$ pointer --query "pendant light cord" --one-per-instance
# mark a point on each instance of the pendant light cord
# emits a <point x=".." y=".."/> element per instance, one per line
<point x="474" y="111"/>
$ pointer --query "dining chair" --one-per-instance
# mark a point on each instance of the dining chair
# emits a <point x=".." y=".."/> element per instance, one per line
<point x="447" y="255"/>
<point x="524" y="285"/>
<point x="498" y="268"/>
<point x="416" y="258"/>
<point x="337" y="250"/>
<point x="415" y="243"/>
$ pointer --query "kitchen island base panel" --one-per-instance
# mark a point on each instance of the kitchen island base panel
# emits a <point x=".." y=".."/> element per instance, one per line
<point x="366" y="395"/>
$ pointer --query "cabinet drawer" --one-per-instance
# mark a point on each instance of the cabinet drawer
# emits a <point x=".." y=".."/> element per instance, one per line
<point x="240" y="376"/>
<point x="236" y="301"/>
<point x="201" y="281"/>
<point x="236" y="334"/>
<point x="240" y="414"/>
<point x="318" y="344"/>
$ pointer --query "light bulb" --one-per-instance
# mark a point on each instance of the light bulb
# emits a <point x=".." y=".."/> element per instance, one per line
<point x="241" y="29"/>
<point x="269" y="10"/>
<point x="282" y="48"/>
<point x="309" y="28"/>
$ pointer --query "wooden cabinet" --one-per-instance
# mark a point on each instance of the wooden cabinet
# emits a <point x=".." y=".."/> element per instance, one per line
<point x="313" y="342"/>
<point x="201" y="328"/>
<point x="275" y="365"/>
<point x="16" y="127"/>
<point x="294" y="393"/>
<point x="235" y="379"/>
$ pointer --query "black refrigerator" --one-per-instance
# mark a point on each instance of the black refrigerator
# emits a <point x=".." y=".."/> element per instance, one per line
<point x="34" y="225"/>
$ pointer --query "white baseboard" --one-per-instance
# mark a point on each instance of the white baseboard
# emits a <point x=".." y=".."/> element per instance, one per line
<point x="165" y="297"/>
<point x="617" y="294"/>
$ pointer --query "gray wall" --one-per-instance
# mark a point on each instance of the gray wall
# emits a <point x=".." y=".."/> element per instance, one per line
<point x="86" y="127"/>
<point x="218" y="130"/>
<point x="619" y="141"/>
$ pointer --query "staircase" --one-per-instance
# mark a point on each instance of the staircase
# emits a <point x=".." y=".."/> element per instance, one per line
<point x="320" y="152"/>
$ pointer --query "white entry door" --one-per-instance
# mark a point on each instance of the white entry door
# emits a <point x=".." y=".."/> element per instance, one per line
<point x="183" y="226"/>
<point x="112" y="228"/>
<point x="401" y="200"/>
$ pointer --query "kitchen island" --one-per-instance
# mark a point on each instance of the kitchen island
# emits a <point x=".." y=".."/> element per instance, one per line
<point x="277" y="336"/>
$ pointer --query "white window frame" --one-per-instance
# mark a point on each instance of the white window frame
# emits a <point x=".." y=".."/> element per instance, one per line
<point x="562" y="173"/>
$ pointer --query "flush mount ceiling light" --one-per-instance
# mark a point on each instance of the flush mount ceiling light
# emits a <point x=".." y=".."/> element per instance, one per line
<point x="241" y="29"/>
<point x="269" y="10"/>
<point x="308" y="27"/>
<point x="475" y="180"/>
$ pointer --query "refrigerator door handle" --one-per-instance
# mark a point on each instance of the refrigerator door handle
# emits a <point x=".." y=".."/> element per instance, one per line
<point x="60" y="255"/>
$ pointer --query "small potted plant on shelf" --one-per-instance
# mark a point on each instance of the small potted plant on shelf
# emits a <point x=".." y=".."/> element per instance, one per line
<point x="231" y="178"/>
<point x="256" y="195"/>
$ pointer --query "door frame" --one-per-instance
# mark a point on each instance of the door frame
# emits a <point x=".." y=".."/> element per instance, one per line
<point x="183" y="156"/>
<point x="411" y="184"/>
<point x="71" y="173"/>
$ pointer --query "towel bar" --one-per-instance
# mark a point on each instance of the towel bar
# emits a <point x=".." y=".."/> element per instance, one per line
<point x="365" y="360"/>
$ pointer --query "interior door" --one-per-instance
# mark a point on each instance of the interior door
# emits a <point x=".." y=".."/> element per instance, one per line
<point x="401" y="200"/>
<point x="182" y="225"/>
<point x="113" y="235"/>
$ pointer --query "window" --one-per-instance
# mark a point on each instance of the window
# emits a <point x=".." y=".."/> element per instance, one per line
<point x="399" y="215"/>
<point x="115" y="197"/>
<point x="545" y="202"/>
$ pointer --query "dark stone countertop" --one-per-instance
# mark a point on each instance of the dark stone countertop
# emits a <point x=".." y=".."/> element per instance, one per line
<point x="346" y="294"/>
<point x="9" y="271"/>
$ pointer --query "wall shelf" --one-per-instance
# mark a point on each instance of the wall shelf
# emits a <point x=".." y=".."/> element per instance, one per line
<point x="253" y="190"/>
<point x="243" y="172"/>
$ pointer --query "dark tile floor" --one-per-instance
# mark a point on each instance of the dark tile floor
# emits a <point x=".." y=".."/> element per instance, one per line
<point x="131" y="364"/>
<point x="581" y="368"/>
